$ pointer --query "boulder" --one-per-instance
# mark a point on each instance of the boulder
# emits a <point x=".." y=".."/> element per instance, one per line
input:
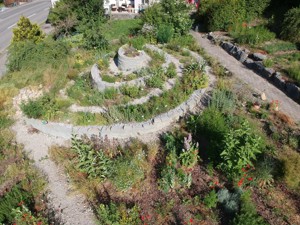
<point x="249" y="63"/>
<point x="278" y="81"/>
<point x="267" y="72"/>
<point x="241" y="55"/>
<point x="258" y="68"/>
<point x="293" y="91"/>
<point x="258" y="56"/>
<point x="227" y="46"/>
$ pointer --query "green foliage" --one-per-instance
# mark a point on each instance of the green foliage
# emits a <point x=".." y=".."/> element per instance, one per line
<point x="171" y="71"/>
<point x="138" y="42"/>
<point x="177" y="171"/>
<point x="10" y="201"/>
<point x="268" y="62"/>
<point x="240" y="147"/>
<point x="156" y="58"/>
<point x="223" y="100"/>
<point x="248" y="214"/>
<point x="177" y="15"/>
<point x="129" y="169"/>
<point x="93" y="36"/>
<point x="164" y="33"/>
<point x="212" y="126"/>
<point x="229" y="201"/>
<point x="291" y="165"/>
<point x="221" y="15"/>
<point x="44" y="107"/>
<point x="155" y="81"/>
<point x="69" y="16"/>
<point x="294" y="72"/>
<point x="211" y="199"/>
<point x="255" y="8"/>
<point x="5" y="121"/>
<point x="279" y="46"/>
<point x="113" y="214"/>
<point x="291" y="25"/>
<point x="27" y="55"/>
<point x="115" y="29"/>
<point x="23" y="216"/>
<point x="131" y="91"/>
<point x="26" y="31"/>
<point x="251" y="35"/>
<point x="94" y="163"/>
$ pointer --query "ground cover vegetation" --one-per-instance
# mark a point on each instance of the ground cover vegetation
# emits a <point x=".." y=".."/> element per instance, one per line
<point x="235" y="163"/>
<point x="264" y="25"/>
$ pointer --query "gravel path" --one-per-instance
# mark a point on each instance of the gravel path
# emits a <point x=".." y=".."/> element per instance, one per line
<point x="257" y="83"/>
<point x="69" y="204"/>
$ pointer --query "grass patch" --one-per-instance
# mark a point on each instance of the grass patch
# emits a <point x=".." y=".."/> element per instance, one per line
<point x="115" y="29"/>
<point x="279" y="46"/>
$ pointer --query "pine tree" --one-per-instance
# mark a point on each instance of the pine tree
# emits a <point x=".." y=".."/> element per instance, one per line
<point x="27" y="31"/>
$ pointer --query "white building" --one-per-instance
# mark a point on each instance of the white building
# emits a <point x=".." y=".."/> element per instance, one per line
<point x="130" y="6"/>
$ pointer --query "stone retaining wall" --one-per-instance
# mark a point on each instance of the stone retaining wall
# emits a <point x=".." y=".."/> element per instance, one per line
<point x="257" y="66"/>
<point x="130" y="130"/>
<point x="126" y="63"/>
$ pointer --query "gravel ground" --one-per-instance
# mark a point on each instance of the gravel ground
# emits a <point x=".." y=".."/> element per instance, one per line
<point x="257" y="83"/>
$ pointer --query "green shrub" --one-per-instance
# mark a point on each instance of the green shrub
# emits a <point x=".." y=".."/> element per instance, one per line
<point x="255" y="8"/>
<point x="153" y="15"/>
<point x="291" y="25"/>
<point x="171" y="71"/>
<point x="10" y="201"/>
<point x="94" y="163"/>
<point x="93" y="36"/>
<point x="224" y="14"/>
<point x="229" y="201"/>
<point x="138" y="42"/>
<point x="240" y="147"/>
<point x="5" y="121"/>
<point x="268" y="62"/>
<point x="27" y="55"/>
<point x="26" y="31"/>
<point x="211" y="199"/>
<point x="164" y="33"/>
<point x="184" y="41"/>
<point x="248" y="214"/>
<point x="291" y="165"/>
<point x="155" y="81"/>
<point x="223" y="100"/>
<point x="131" y="91"/>
<point x="118" y="214"/>
<point x="252" y="35"/>
<point x="108" y="78"/>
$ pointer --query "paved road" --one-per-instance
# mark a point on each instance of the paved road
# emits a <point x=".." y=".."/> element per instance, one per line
<point x="37" y="11"/>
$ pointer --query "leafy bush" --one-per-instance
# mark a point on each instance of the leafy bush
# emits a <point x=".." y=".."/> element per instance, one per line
<point x="221" y="15"/>
<point x="138" y="42"/>
<point x="240" y="147"/>
<point x="131" y="91"/>
<point x="93" y="37"/>
<point x="248" y="214"/>
<point x="223" y="100"/>
<point x="211" y="199"/>
<point x="255" y="8"/>
<point x="229" y="201"/>
<point x="118" y="214"/>
<point x="26" y="31"/>
<point x="164" y="33"/>
<point x="268" y="62"/>
<point x="171" y="71"/>
<point x="94" y="163"/>
<point x="10" y="201"/>
<point x="44" y="107"/>
<point x="27" y="55"/>
<point x="155" y="81"/>
<point x="5" y="121"/>
<point x="177" y="16"/>
<point x="177" y="172"/>
<point x="252" y="35"/>
<point x="291" y="25"/>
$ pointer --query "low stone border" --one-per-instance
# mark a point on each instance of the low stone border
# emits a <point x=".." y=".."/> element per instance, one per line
<point x="102" y="85"/>
<point x="254" y="62"/>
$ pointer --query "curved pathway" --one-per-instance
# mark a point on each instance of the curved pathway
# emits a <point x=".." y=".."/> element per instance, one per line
<point x="70" y="206"/>
<point x="257" y="83"/>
